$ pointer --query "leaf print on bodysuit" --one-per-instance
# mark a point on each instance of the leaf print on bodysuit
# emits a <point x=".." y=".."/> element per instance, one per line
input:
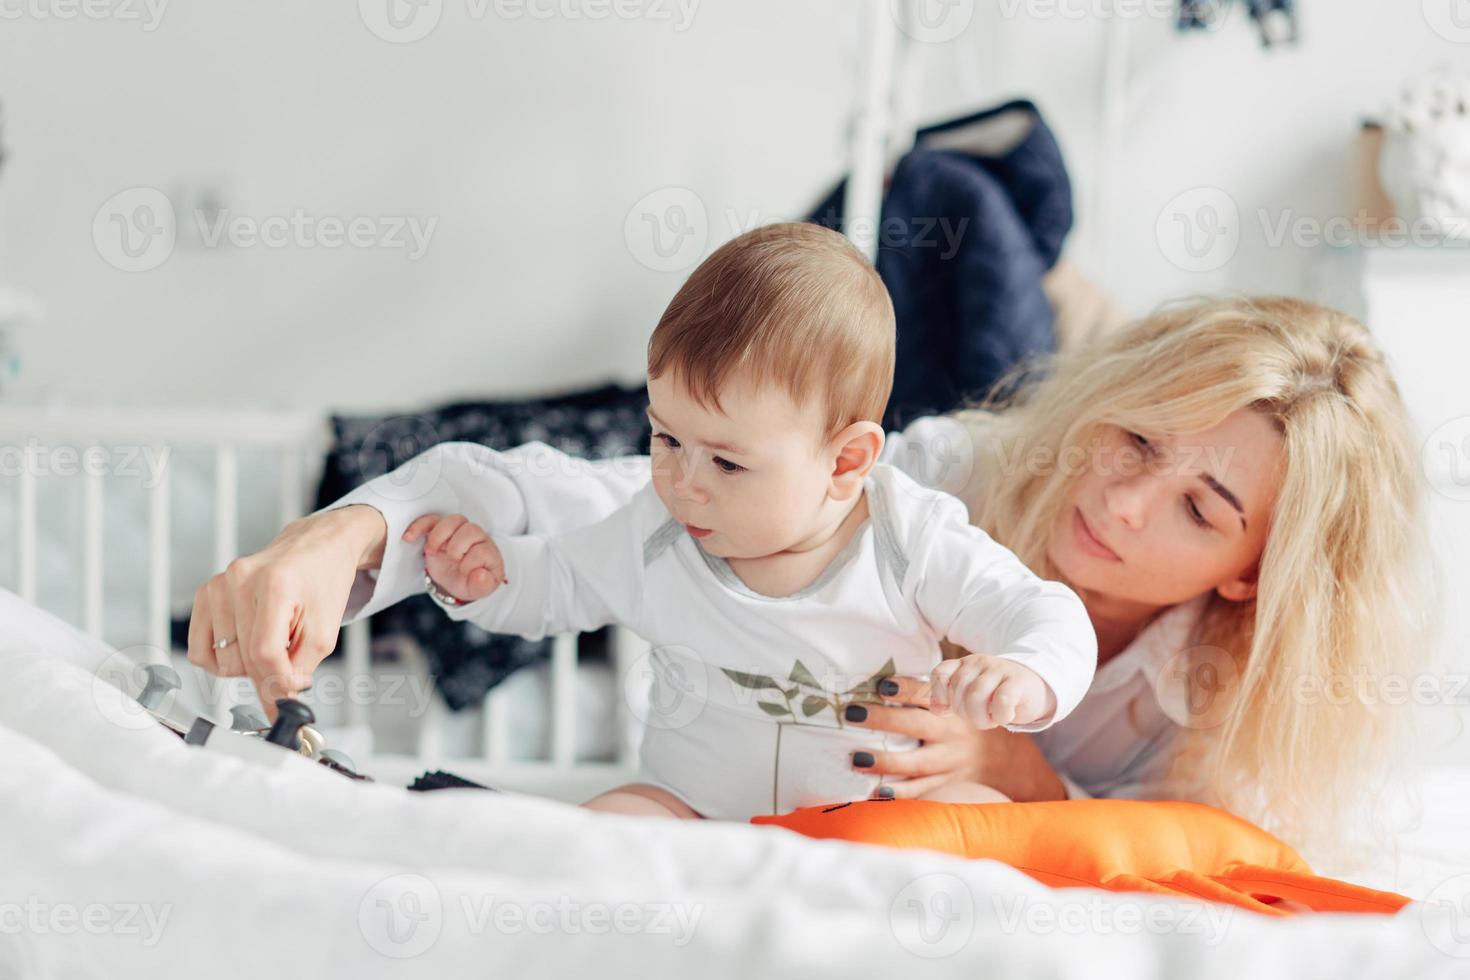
<point x="818" y="697"/>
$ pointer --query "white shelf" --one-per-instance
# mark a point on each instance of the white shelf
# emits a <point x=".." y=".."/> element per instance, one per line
<point x="1416" y="301"/>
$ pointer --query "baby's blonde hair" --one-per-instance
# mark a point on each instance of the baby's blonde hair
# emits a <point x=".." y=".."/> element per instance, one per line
<point x="1344" y="583"/>
<point x="794" y="305"/>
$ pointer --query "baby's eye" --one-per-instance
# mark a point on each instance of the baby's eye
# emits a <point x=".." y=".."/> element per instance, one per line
<point x="669" y="440"/>
<point x="728" y="467"/>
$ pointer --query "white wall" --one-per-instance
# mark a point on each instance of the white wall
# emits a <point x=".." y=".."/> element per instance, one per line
<point x="530" y="140"/>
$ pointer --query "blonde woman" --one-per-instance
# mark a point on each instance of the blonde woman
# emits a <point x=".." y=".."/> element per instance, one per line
<point x="1254" y="483"/>
<point x="1231" y="486"/>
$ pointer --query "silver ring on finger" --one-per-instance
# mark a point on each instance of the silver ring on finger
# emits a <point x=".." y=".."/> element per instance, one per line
<point x="221" y="644"/>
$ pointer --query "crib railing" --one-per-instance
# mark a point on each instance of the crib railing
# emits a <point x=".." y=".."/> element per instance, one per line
<point x="26" y="432"/>
<point x="299" y="441"/>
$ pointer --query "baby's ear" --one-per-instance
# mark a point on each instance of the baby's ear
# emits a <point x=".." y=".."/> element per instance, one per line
<point x="858" y="447"/>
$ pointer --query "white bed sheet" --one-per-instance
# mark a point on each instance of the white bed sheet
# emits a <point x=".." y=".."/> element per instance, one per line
<point x="1430" y="852"/>
<point x="235" y="869"/>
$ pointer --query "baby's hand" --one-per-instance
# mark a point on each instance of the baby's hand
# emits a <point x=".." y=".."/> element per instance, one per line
<point x="458" y="555"/>
<point x="990" y="691"/>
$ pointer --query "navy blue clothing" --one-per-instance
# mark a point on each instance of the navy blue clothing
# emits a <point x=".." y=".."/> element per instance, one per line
<point x="964" y="240"/>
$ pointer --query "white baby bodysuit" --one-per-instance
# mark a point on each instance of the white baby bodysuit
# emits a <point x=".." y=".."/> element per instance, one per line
<point x="749" y="690"/>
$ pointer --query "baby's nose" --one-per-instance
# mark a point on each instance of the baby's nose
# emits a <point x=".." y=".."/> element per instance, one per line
<point x="686" y="486"/>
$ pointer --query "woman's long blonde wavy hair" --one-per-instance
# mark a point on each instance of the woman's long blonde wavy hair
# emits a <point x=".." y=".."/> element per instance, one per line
<point x="1344" y="577"/>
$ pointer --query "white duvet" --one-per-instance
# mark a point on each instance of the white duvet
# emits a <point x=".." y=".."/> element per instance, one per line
<point x="125" y="853"/>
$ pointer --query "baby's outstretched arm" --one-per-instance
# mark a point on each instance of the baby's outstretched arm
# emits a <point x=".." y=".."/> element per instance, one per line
<point x="1037" y="647"/>
<point x="459" y="555"/>
<point x="534" y="586"/>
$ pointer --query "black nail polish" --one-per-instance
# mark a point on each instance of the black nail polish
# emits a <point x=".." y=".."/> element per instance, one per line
<point x="885" y="792"/>
<point x="888" y="687"/>
<point x="862" y="759"/>
<point x="855" y="712"/>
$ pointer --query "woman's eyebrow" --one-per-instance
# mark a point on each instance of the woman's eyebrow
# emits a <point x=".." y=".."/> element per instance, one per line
<point x="1224" y="492"/>
<point x="720" y="446"/>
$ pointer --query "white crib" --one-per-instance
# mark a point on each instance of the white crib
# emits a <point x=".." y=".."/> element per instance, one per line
<point x="531" y="733"/>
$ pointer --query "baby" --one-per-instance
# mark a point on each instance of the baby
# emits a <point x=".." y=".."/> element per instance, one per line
<point x="777" y="569"/>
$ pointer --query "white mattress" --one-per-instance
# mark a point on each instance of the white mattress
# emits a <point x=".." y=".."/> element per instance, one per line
<point x="185" y="862"/>
<point x="1430" y="854"/>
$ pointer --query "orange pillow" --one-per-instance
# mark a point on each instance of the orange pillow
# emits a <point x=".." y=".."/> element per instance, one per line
<point x="1162" y="847"/>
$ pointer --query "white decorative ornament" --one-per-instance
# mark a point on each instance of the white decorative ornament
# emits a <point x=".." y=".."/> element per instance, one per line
<point x="1425" y="166"/>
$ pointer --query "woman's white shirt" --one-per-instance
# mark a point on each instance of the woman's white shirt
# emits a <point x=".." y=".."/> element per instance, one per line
<point x="1118" y="741"/>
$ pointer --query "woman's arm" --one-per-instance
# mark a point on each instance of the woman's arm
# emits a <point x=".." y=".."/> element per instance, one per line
<point x="274" y="615"/>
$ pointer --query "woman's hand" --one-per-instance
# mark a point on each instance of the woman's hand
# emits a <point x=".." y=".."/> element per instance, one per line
<point x="458" y="555"/>
<point x="951" y="749"/>
<point x="280" y="609"/>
